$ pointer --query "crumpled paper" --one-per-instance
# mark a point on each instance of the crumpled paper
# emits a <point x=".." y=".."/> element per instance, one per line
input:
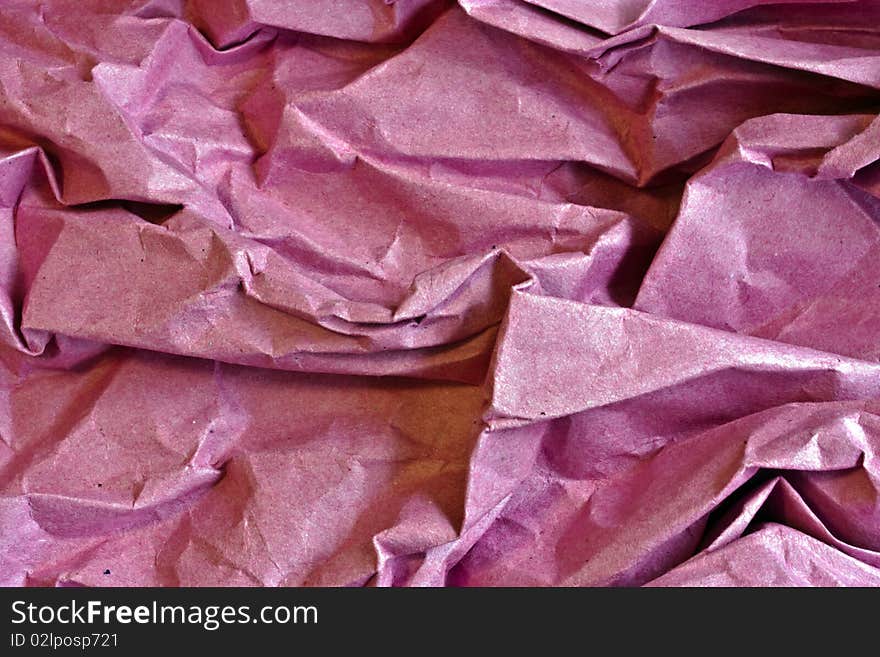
<point x="416" y="292"/>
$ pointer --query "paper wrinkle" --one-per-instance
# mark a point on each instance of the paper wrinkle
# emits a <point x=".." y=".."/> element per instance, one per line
<point x="774" y="555"/>
<point x="435" y="293"/>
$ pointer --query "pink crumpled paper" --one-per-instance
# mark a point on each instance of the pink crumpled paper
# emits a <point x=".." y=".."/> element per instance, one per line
<point x="416" y="292"/>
